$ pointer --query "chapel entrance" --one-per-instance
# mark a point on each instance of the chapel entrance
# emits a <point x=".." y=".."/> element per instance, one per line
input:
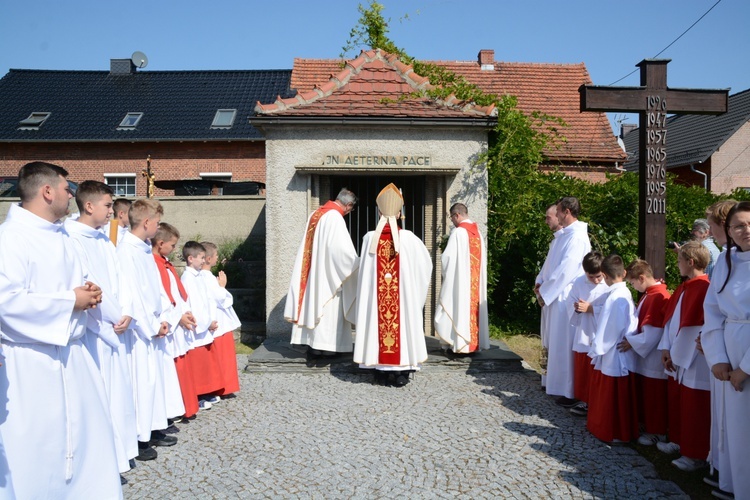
<point x="364" y="217"/>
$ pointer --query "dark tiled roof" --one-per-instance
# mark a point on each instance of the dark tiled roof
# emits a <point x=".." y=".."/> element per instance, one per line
<point x="548" y="88"/>
<point x="371" y="85"/>
<point x="176" y="105"/>
<point x="692" y="139"/>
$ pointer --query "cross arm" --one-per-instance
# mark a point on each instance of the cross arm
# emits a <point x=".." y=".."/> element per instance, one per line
<point x="633" y="99"/>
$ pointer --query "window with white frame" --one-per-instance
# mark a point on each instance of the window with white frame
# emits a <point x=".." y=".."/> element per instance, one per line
<point x="130" y="121"/>
<point x="221" y="178"/>
<point x="123" y="184"/>
<point x="224" y="118"/>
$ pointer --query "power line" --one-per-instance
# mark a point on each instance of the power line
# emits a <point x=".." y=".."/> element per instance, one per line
<point x="672" y="43"/>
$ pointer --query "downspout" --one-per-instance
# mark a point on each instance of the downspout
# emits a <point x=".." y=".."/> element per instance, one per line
<point x="705" y="176"/>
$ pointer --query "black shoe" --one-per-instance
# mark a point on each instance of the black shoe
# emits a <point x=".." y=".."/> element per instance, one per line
<point x="145" y="454"/>
<point x="401" y="380"/>
<point x="172" y="429"/>
<point x="566" y="402"/>
<point x="123" y="480"/>
<point x="131" y="462"/>
<point x="158" y="438"/>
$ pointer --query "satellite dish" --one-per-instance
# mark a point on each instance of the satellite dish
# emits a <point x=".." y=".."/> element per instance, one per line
<point x="139" y="59"/>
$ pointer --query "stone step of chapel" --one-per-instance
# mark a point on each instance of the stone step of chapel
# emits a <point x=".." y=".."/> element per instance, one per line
<point x="278" y="355"/>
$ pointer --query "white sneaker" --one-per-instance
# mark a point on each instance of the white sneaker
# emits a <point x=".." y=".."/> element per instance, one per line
<point x="647" y="439"/>
<point x="689" y="464"/>
<point x="204" y="405"/>
<point x="668" y="447"/>
<point x="212" y="399"/>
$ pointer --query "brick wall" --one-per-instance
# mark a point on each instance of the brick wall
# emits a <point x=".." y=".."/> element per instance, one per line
<point x="731" y="163"/>
<point x="169" y="160"/>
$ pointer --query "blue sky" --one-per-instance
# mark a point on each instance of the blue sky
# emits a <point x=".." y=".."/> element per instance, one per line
<point x="610" y="37"/>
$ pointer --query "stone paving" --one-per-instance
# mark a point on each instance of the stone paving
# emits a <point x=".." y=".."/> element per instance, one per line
<point x="448" y="434"/>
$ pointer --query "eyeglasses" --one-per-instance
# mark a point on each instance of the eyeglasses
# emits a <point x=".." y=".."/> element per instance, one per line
<point x="740" y="227"/>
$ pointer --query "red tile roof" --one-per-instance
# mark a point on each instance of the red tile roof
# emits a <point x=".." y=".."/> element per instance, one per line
<point x="548" y="88"/>
<point x="369" y="86"/>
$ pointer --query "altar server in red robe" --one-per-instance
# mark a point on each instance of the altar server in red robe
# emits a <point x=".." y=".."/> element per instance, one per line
<point x="461" y="316"/>
<point x="689" y="393"/>
<point x="650" y="379"/>
<point x="612" y="415"/>
<point x="394" y="277"/>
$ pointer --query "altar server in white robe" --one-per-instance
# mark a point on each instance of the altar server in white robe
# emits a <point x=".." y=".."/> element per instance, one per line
<point x="142" y="276"/>
<point x="565" y="265"/>
<point x="394" y="277"/>
<point x="55" y="424"/>
<point x="550" y="218"/>
<point x="323" y="285"/>
<point x="108" y="338"/>
<point x="461" y="316"/>
<point x="726" y="343"/>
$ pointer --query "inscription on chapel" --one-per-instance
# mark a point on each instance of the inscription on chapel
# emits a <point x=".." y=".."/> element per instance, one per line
<point x="656" y="154"/>
<point x="378" y="160"/>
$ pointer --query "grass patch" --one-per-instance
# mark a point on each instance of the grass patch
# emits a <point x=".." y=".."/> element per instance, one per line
<point x="242" y="348"/>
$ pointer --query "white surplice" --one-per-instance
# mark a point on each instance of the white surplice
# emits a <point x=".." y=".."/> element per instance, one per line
<point x="173" y="345"/>
<point x="726" y="339"/>
<point x="330" y="294"/>
<point x="415" y="270"/>
<point x="692" y="369"/>
<point x="55" y="424"/>
<point x="616" y="320"/>
<point x="453" y="314"/>
<point x="225" y="314"/>
<point x="564" y="265"/>
<point x="201" y="304"/>
<point x="544" y="274"/>
<point x="583" y="325"/>
<point x="147" y="359"/>
<point x="110" y="351"/>
<point x="648" y="362"/>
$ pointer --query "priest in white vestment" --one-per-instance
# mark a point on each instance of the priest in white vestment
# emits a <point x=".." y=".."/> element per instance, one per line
<point x="461" y="316"/>
<point x="107" y="338"/>
<point x="54" y="419"/>
<point x="394" y="276"/>
<point x="564" y="265"/>
<point x="323" y="285"/>
<point x="550" y="218"/>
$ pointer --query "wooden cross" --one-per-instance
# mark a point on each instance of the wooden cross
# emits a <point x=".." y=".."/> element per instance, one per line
<point x="651" y="101"/>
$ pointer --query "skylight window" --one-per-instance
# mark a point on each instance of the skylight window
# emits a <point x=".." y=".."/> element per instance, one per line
<point x="130" y="121"/>
<point x="224" y="118"/>
<point x="33" y="122"/>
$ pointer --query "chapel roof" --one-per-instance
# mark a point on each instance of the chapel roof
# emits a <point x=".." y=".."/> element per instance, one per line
<point x="548" y="88"/>
<point x="176" y="105"/>
<point x="693" y="139"/>
<point x="372" y="85"/>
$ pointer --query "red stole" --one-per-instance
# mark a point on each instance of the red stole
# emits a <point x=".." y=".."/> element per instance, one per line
<point x="164" y="267"/>
<point x="389" y="322"/>
<point x="475" y="252"/>
<point x="307" y="252"/>
<point x="691" y="312"/>
<point x="652" y="306"/>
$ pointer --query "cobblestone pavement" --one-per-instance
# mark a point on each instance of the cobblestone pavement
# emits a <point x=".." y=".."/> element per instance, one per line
<point x="447" y="434"/>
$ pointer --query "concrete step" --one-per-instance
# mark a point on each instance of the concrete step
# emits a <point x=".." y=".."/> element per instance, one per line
<point x="276" y="354"/>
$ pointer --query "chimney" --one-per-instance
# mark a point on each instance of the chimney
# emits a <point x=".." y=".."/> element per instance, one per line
<point x="121" y="67"/>
<point x="626" y="128"/>
<point x="487" y="59"/>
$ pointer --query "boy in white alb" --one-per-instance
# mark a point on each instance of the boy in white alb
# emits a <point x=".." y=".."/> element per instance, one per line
<point x="148" y="324"/>
<point x="226" y="353"/>
<point x="205" y="370"/>
<point x="108" y="338"/>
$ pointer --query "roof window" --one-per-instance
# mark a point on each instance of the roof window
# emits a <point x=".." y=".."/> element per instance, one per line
<point x="33" y="122"/>
<point x="224" y="118"/>
<point x="130" y="121"/>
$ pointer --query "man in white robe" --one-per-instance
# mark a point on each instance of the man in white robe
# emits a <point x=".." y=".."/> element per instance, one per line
<point x="394" y="277"/>
<point x="107" y="338"/>
<point x="54" y="424"/>
<point x="550" y="218"/>
<point x="461" y="316"/>
<point x="564" y="266"/>
<point x="321" y="291"/>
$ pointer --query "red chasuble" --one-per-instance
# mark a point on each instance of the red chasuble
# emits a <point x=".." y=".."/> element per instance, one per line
<point x="691" y="312"/>
<point x="166" y="267"/>
<point x="389" y="318"/>
<point x="475" y="251"/>
<point x="652" y="306"/>
<point x="307" y="253"/>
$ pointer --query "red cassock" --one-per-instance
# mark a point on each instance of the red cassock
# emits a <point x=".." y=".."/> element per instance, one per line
<point x="226" y="356"/>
